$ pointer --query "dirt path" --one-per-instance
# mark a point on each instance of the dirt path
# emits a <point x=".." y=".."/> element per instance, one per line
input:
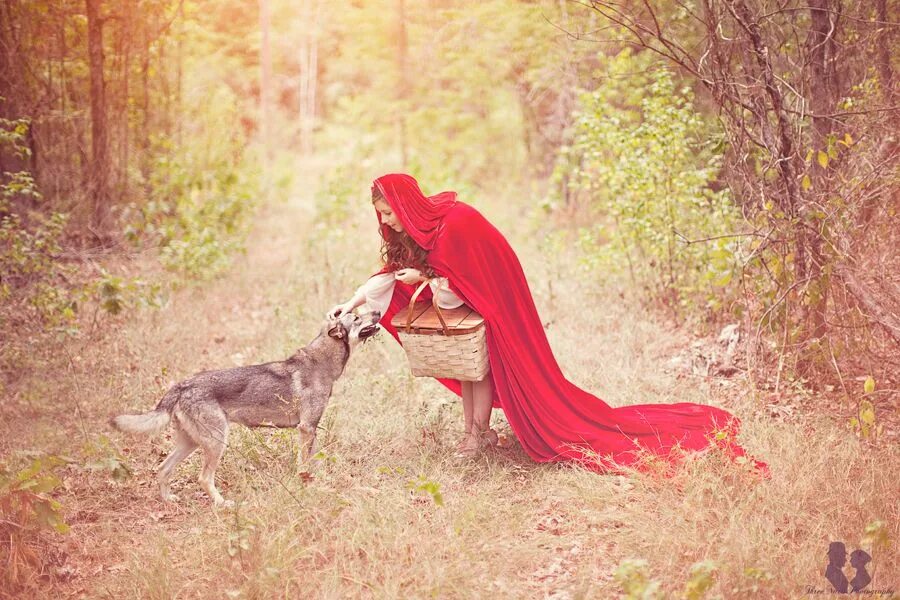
<point x="391" y="513"/>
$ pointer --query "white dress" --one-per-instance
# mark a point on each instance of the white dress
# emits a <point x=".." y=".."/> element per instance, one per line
<point x="379" y="289"/>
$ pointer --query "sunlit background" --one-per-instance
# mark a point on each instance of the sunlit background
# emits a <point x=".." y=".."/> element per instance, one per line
<point x="703" y="195"/>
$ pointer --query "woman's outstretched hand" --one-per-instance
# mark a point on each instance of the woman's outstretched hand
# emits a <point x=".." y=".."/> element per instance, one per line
<point x="339" y="310"/>
<point x="408" y="276"/>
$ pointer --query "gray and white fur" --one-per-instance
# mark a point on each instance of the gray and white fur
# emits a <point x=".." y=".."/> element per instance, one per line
<point x="289" y="393"/>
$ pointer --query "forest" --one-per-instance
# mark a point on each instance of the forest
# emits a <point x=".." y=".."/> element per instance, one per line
<point x="705" y="198"/>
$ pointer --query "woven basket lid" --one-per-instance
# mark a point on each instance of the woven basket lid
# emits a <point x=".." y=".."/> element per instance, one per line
<point x="425" y="321"/>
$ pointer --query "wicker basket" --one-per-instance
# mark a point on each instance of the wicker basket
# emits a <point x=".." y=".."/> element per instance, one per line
<point x="446" y="343"/>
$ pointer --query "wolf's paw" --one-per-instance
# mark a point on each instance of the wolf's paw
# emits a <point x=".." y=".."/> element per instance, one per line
<point x="170" y="498"/>
<point x="221" y="502"/>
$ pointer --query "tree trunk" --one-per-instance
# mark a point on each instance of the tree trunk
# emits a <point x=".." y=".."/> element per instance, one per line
<point x="822" y="79"/>
<point x="162" y="66"/>
<point x="807" y="243"/>
<point x="265" y="89"/>
<point x="565" y="98"/>
<point x="313" y="78"/>
<point x="7" y="81"/>
<point x="179" y="72"/>
<point x="125" y="137"/>
<point x="308" y="59"/>
<point x="402" y="91"/>
<point x="126" y="128"/>
<point x="99" y="170"/>
<point x="143" y="145"/>
<point x="885" y="73"/>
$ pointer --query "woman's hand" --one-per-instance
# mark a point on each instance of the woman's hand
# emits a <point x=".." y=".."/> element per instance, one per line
<point x="409" y="276"/>
<point x="340" y="309"/>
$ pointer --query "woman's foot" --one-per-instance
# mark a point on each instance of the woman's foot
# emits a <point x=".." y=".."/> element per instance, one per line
<point x="474" y="443"/>
<point x="490" y="434"/>
<point x="462" y="442"/>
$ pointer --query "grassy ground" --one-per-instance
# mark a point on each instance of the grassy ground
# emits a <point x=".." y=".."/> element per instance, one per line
<point x="390" y="513"/>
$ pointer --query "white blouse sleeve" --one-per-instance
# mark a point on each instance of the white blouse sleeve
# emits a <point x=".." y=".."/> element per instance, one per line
<point x="446" y="297"/>
<point x="378" y="291"/>
<point x="379" y="288"/>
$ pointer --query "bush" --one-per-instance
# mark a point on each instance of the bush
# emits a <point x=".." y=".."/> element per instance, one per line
<point x="200" y="195"/>
<point x="199" y="210"/>
<point x="27" y="511"/>
<point x="646" y="162"/>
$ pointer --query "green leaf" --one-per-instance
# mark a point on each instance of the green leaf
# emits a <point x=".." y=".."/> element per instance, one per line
<point x="822" y="157"/>
<point x="47" y="515"/>
<point x="806" y="183"/>
<point x="724" y="280"/>
<point x="702" y="578"/>
<point x="432" y="488"/>
<point x="45" y="484"/>
<point x="62" y="527"/>
<point x="876" y="535"/>
<point x="869" y="385"/>
<point x="31" y="471"/>
<point x="867" y="413"/>
<point x="632" y="576"/>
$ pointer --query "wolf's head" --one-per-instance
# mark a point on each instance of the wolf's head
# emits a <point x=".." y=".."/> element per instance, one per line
<point x="352" y="328"/>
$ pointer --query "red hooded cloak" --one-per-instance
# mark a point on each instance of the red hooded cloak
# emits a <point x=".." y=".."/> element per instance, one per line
<point x="552" y="418"/>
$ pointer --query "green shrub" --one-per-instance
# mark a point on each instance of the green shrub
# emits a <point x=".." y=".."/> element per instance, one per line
<point x="198" y="214"/>
<point x="201" y="194"/>
<point x="645" y="162"/>
<point x="632" y="576"/>
<point x="27" y="511"/>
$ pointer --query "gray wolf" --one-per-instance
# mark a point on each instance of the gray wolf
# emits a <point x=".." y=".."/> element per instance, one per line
<point x="290" y="393"/>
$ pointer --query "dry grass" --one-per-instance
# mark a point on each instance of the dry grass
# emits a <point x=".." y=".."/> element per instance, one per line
<point x="506" y="527"/>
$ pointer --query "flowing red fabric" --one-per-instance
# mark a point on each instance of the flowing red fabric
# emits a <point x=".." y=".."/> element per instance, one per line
<point x="553" y="419"/>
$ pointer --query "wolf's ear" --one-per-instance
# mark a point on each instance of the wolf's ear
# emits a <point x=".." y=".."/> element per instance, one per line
<point x="337" y="332"/>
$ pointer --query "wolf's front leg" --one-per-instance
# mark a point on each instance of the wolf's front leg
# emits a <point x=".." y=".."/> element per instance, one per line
<point x="306" y="439"/>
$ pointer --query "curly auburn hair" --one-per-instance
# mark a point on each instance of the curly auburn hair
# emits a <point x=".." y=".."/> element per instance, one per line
<point x="398" y="249"/>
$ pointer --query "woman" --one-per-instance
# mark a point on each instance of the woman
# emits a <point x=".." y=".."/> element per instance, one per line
<point x="553" y="419"/>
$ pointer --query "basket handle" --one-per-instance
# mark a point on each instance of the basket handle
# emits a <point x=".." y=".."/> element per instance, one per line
<point x="412" y="302"/>
<point x="437" y="309"/>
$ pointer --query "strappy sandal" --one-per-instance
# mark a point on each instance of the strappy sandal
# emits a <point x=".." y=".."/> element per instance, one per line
<point x="474" y="443"/>
<point x="490" y="434"/>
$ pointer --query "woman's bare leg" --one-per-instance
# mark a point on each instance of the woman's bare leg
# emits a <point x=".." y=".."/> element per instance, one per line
<point x="482" y="404"/>
<point x="467" y="400"/>
<point x="480" y="435"/>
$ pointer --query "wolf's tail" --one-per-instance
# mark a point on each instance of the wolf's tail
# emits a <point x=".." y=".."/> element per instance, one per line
<point x="149" y="422"/>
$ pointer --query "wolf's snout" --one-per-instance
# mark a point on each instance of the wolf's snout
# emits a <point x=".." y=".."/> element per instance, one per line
<point x="368" y="331"/>
<point x="372" y="326"/>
